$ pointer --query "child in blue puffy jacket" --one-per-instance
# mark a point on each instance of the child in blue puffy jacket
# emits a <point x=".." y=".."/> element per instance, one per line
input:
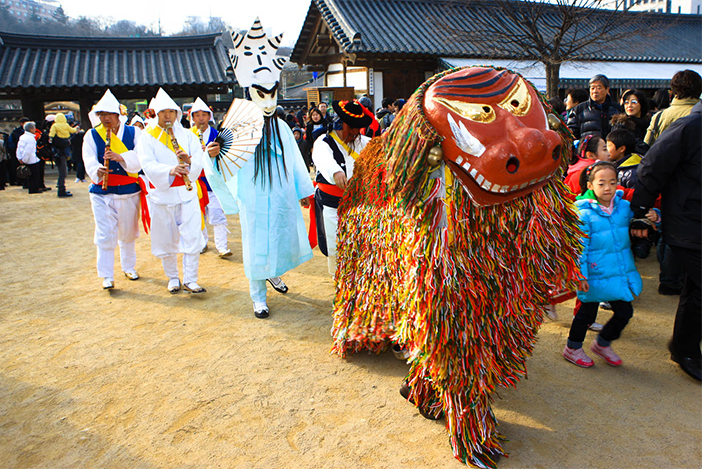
<point x="606" y="264"/>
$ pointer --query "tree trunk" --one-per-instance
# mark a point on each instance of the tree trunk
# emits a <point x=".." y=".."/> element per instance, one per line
<point x="552" y="79"/>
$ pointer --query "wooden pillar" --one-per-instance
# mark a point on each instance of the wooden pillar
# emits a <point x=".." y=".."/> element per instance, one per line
<point x="86" y="104"/>
<point x="343" y="62"/>
<point x="32" y="108"/>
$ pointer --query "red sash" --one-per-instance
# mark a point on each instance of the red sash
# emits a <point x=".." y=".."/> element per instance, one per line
<point x="327" y="189"/>
<point x="178" y="181"/>
<point x="121" y="180"/>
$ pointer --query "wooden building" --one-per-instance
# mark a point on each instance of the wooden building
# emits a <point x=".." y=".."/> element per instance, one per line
<point x="41" y="69"/>
<point x="389" y="47"/>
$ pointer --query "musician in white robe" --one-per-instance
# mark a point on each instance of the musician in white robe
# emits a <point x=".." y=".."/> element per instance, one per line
<point x="175" y="211"/>
<point x="116" y="208"/>
<point x="200" y="118"/>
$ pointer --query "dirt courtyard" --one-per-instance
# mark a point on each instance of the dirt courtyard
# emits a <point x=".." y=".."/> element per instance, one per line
<point x="139" y="378"/>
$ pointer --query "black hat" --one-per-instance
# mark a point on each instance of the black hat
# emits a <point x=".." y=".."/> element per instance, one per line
<point x="352" y="113"/>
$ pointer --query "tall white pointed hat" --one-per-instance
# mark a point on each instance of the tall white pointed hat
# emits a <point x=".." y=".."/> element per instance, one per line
<point x="253" y="57"/>
<point x="136" y="119"/>
<point x="108" y="103"/>
<point x="162" y="101"/>
<point x="200" y="105"/>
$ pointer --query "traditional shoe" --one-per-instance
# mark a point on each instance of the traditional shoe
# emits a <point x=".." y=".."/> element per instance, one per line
<point x="204" y="250"/>
<point x="596" y="327"/>
<point x="224" y="254"/>
<point x="691" y="366"/>
<point x="405" y="392"/>
<point x="606" y="353"/>
<point x="108" y="284"/>
<point x="261" y="312"/>
<point x="131" y="275"/>
<point x="174" y="285"/>
<point x="577" y="357"/>
<point x="193" y="287"/>
<point x="278" y="284"/>
<point x="399" y="352"/>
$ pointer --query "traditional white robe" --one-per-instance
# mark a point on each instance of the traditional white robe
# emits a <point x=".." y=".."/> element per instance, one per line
<point x="175" y="211"/>
<point x="116" y="215"/>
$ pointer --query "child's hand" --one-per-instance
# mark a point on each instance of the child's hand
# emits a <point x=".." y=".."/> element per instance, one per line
<point x="584" y="286"/>
<point x="653" y="216"/>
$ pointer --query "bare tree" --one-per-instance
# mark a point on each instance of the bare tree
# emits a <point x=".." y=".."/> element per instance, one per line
<point x="557" y="31"/>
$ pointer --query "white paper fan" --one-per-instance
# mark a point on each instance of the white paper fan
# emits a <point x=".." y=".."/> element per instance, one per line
<point x="241" y="132"/>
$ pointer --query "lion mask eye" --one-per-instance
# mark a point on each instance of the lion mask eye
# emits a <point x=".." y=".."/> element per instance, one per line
<point x="518" y="101"/>
<point x="475" y="112"/>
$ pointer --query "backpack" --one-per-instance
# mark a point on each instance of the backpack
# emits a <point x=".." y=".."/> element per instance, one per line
<point x="44" y="147"/>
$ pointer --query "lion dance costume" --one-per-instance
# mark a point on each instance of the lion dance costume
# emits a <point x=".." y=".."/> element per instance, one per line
<point x="452" y="232"/>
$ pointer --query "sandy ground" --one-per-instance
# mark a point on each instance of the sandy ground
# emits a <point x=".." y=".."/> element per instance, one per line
<point x="139" y="378"/>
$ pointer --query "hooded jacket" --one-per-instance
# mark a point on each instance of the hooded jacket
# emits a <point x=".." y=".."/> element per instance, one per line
<point x="607" y="262"/>
<point x="61" y="129"/>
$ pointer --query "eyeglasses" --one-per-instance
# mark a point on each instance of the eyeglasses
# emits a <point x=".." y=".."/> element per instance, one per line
<point x="597" y="87"/>
<point x="631" y="101"/>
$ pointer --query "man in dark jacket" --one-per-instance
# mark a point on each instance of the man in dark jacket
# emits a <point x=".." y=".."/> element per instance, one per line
<point x="592" y="117"/>
<point x="12" y="162"/>
<point x="673" y="169"/>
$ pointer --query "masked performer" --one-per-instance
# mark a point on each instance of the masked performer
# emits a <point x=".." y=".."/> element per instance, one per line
<point x="452" y="232"/>
<point x="172" y="160"/>
<point x="334" y="157"/>
<point x="200" y="117"/>
<point x="115" y="204"/>
<point x="269" y="185"/>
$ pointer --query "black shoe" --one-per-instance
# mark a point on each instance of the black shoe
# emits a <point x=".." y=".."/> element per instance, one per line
<point x="278" y="284"/>
<point x="65" y="194"/>
<point x="664" y="289"/>
<point x="405" y="392"/>
<point x="691" y="366"/>
<point x="261" y="313"/>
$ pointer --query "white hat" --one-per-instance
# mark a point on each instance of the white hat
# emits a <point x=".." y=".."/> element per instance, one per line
<point x="136" y="119"/>
<point x="254" y="59"/>
<point x="163" y="101"/>
<point x="200" y="105"/>
<point x="108" y="103"/>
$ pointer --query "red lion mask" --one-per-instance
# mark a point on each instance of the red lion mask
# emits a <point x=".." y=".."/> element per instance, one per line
<point x="497" y="138"/>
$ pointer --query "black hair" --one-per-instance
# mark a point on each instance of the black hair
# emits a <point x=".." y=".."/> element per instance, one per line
<point x="266" y="151"/>
<point x="641" y="97"/>
<point x="588" y="174"/>
<point x="661" y="98"/>
<point x="590" y="142"/>
<point x="557" y="105"/>
<point x="622" y="137"/>
<point x="578" y="94"/>
<point x="387" y="102"/>
<point x="686" y="84"/>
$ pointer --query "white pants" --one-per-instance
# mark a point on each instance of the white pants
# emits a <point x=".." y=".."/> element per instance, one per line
<point x="331" y="222"/>
<point x="176" y="228"/>
<point x="116" y="222"/>
<point x="218" y="220"/>
<point x="190" y="266"/>
<point x="258" y="288"/>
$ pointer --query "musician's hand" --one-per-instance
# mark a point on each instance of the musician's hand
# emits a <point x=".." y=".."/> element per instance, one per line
<point x="180" y="170"/>
<point x="213" y="149"/>
<point x="109" y="154"/>
<point x="305" y="202"/>
<point x="182" y="156"/>
<point x="102" y="172"/>
<point x="340" y="180"/>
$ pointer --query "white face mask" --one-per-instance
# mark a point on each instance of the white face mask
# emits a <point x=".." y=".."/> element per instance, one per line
<point x="266" y="101"/>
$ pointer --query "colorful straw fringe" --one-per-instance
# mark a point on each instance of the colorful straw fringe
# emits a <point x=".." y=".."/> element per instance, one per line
<point x="462" y="287"/>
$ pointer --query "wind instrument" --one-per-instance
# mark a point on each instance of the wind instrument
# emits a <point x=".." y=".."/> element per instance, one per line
<point x="176" y="147"/>
<point x="105" y="159"/>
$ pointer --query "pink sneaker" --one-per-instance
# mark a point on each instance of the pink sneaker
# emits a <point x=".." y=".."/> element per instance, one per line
<point x="577" y="357"/>
<point x="606" y="353"/>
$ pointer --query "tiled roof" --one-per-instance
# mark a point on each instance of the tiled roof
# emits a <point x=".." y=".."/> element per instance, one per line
<point x="75" y="62"/>
<point x="448" y="28"/>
